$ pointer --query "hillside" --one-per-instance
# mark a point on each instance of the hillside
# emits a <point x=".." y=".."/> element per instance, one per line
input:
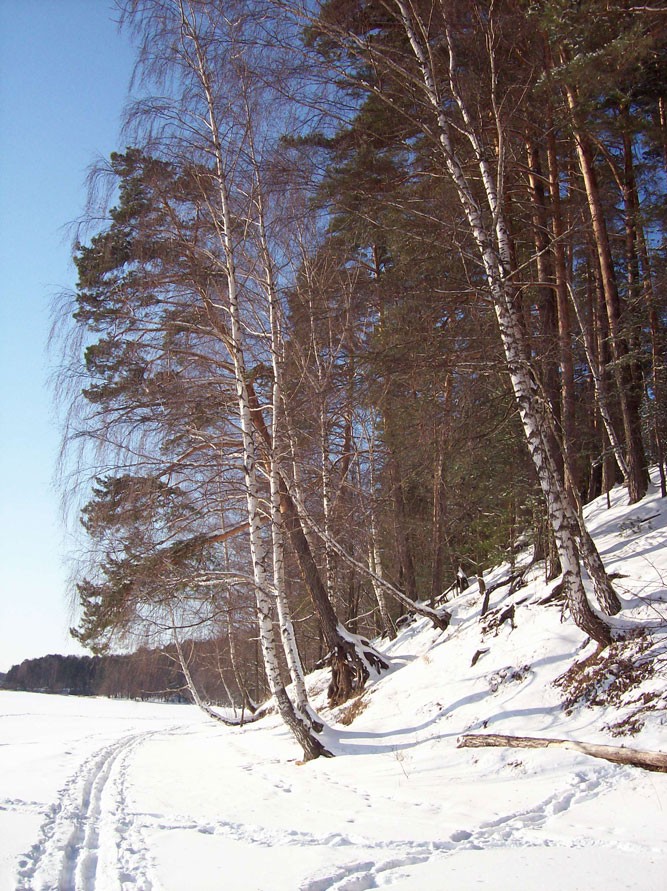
<point x="155" y="796"/>
<point x="524" y="668"/>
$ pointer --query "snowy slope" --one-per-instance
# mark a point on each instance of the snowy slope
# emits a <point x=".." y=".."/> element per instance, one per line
<point x="111" y="795"/>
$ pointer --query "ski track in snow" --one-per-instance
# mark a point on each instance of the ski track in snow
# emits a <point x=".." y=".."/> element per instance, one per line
<point x="380" y="858"/>
<point x="88" y="823"/>
<point x="90" y="839"/>
<point x="18" y="806"/>
<point x="513" y="828"/>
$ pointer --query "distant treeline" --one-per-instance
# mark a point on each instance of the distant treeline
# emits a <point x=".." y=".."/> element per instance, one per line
<point x="145" y="674"/>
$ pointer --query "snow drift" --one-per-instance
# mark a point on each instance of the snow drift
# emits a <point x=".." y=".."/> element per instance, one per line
<point x="101" y="794"/>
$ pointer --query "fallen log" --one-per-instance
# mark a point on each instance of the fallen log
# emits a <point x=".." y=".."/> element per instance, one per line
<point x="510" y="580"/>
<point x="618" y="754"/>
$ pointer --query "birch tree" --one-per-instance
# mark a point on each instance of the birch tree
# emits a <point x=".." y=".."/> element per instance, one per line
<point x="193" y="36"/>
<point x="453" y="123"/>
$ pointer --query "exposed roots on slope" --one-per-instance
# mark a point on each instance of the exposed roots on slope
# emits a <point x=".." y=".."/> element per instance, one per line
<point x="352" y="661"/>
<point x="614" y="677"/>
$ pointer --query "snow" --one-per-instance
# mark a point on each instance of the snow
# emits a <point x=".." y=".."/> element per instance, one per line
<point x="108" y="795"/>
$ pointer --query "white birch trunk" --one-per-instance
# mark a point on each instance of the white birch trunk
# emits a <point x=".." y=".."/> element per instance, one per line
<point x="374" y="554"/>
<point x="375" y="566"/>
<point x="187" y="674"/>
<point x="246" y="701"/>
<point x="277" y="524"/>
<point x="326" y="491"/>
<point x="311" y="746"/>
<point x="496" y="262"/>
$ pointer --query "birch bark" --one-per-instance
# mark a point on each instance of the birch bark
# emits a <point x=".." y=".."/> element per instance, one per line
<point x="374" y="552"/>
<point x="277" y="524"/>
<point x="300" y="728"/>
<point x="493" y="245"/>
<point x="192" y="687"/>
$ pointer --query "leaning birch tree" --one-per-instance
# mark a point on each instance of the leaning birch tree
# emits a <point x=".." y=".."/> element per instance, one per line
<point x="428" y="62"/>
<point x="192" y="55"/>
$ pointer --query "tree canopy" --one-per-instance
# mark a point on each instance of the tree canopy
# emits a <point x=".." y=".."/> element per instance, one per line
<point x="382" y="291"/>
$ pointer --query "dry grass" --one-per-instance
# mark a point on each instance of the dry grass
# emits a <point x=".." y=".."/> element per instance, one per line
<point x="613" y="677"/>
<point x="349" y="712"/>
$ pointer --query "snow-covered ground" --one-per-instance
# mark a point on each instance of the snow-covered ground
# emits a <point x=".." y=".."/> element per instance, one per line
<point x="99" y="794"/>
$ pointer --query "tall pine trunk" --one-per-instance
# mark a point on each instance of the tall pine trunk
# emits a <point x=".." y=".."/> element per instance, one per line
<point x="562" y="304"/>
<point x="641" y="285"/>
<point x="625" y="373"/>
<point x="494" y="250"/>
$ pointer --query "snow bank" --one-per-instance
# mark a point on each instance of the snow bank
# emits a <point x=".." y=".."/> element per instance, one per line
<point x="98" y="794"/>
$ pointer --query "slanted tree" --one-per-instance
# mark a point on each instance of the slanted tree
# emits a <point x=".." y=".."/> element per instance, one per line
<point x="454" y="118"/>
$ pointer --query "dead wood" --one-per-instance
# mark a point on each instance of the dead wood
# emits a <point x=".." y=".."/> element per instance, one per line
<point x="514" y="580"/>
<point x="656" y="761"/>
<point x="556" y="596"/>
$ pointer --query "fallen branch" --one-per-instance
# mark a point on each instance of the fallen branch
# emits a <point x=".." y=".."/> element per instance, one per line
<point x="508" y="580"/>
<point x="618" y="754"/>
<point x="477" y="655"/>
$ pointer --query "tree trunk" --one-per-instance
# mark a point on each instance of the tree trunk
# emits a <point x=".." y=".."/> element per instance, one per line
<point x="192" y="687"/>
<point x="374" y="552"/>
<point x="246" y="700"/>
<point x="325" y="472"/>
<point x="600" y="386"/>
<point x="286" y="626"/>
<point x="375" y="564"/>
<point x="439" y="500"/>
<point x="604" y="590"/>
<point x="349" y="664"/>
<point x="568" y="400"/>
<point x="662" y="116"/>
<point x="563" y="517"/>
<point x="436" y="531"/>
<point x="625" y="376"/>
<point x="552" y="369"/>
<point x="300" y="728"/>
<point x="440" y="619"/>
<point x="495" y="255"/>
<point x="350" y="659"/>
<point x="656" y="761"/>
<point x="403" y="546"/>
<point x="641" y="282"/>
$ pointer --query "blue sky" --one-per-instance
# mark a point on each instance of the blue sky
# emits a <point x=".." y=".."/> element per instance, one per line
<point x="64" y="77"/>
